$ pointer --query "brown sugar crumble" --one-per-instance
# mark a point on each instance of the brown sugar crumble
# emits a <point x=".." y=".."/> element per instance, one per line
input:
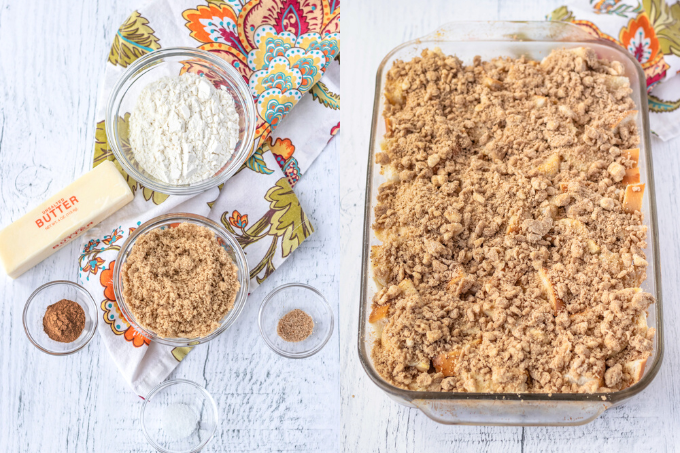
<point x="64" y="321"/>
<point x="512" y="239"/>
<point x="179" y="282"/>
<point x="294" y="326"/>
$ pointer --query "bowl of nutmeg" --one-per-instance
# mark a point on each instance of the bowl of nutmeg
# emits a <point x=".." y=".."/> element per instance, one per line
<point x="60" y="317"/>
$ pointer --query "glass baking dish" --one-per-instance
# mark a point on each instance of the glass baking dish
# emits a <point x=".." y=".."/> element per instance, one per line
<point x="489" y="40"/>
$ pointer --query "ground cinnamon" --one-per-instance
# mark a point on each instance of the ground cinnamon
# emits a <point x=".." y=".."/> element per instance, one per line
<point x="294" y="326"/>
<point x="64" y="321"/>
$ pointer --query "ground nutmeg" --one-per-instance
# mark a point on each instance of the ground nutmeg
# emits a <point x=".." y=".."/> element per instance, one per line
<point x="294" y="326"/>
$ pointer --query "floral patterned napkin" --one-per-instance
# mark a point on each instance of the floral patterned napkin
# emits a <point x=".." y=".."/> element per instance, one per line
<point x="284" y="50"/>
<point x="648" y="29"/>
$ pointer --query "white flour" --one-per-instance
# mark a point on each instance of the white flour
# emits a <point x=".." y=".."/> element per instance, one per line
<point x="183" y="130"/>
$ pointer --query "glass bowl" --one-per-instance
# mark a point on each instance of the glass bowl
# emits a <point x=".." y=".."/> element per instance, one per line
<point x="229" y="243"/>
<point x="178" y="416"/>
<point x="289" y="297"/>
<point x="51" y="293"/>
<point x="171" y="62"/>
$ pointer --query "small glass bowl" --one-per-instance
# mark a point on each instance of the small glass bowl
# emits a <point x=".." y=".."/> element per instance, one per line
<point x="189" y="403"/>
<point x="229" y="243"/>
<point x="289" y="297"/>
<point x="51" y="293"/>
<point x="172" y="62"/>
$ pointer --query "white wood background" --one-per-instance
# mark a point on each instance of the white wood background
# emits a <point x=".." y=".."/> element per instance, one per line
<point x="52" y="56"/>
<point x="371" y="421"/>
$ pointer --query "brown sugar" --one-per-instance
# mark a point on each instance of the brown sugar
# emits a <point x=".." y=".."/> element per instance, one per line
<point x="64" y="321"/>
<point x="294" y="326"/>
<point x="179" y="282"/>
<point x="510" y="260"/>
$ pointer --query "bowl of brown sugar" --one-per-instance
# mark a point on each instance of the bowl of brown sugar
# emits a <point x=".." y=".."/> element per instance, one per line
<point x="60" y="317"/>
<point x="181" y="279"/>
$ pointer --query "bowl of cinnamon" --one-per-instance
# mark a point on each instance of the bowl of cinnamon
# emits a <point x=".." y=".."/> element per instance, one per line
<point x="60" y="317"/>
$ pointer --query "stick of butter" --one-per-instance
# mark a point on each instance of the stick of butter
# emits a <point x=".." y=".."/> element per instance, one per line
<point x="63" y="217"/>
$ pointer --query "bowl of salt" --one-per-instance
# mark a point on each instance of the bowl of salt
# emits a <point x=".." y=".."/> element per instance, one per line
<point x="179" y="416"/>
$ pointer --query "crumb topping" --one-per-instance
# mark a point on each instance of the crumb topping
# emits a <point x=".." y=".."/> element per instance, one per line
<point x="512" y="238"/>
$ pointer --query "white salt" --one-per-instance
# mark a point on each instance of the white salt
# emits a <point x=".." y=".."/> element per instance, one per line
<point x="179" y="421"/>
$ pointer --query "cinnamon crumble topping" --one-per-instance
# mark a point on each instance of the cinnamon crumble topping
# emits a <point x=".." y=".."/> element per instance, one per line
<point x="512" y="238"/>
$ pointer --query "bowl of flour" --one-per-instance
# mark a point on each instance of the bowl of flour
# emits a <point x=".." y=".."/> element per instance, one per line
<point x="181" y="121"/>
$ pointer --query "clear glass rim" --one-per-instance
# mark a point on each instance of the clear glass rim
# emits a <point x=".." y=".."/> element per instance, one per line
<point x="229" y="72"/>
<point x="296" y="355"/>
<point x="170" y="383"/>
<point x="87" y="296"/>
<point x="554" y="29"/>
<point x="241" y="264"/>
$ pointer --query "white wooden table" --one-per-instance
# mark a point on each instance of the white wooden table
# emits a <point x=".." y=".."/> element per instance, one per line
<point x="52" y="58"/>
<point x="371" y="421"/>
